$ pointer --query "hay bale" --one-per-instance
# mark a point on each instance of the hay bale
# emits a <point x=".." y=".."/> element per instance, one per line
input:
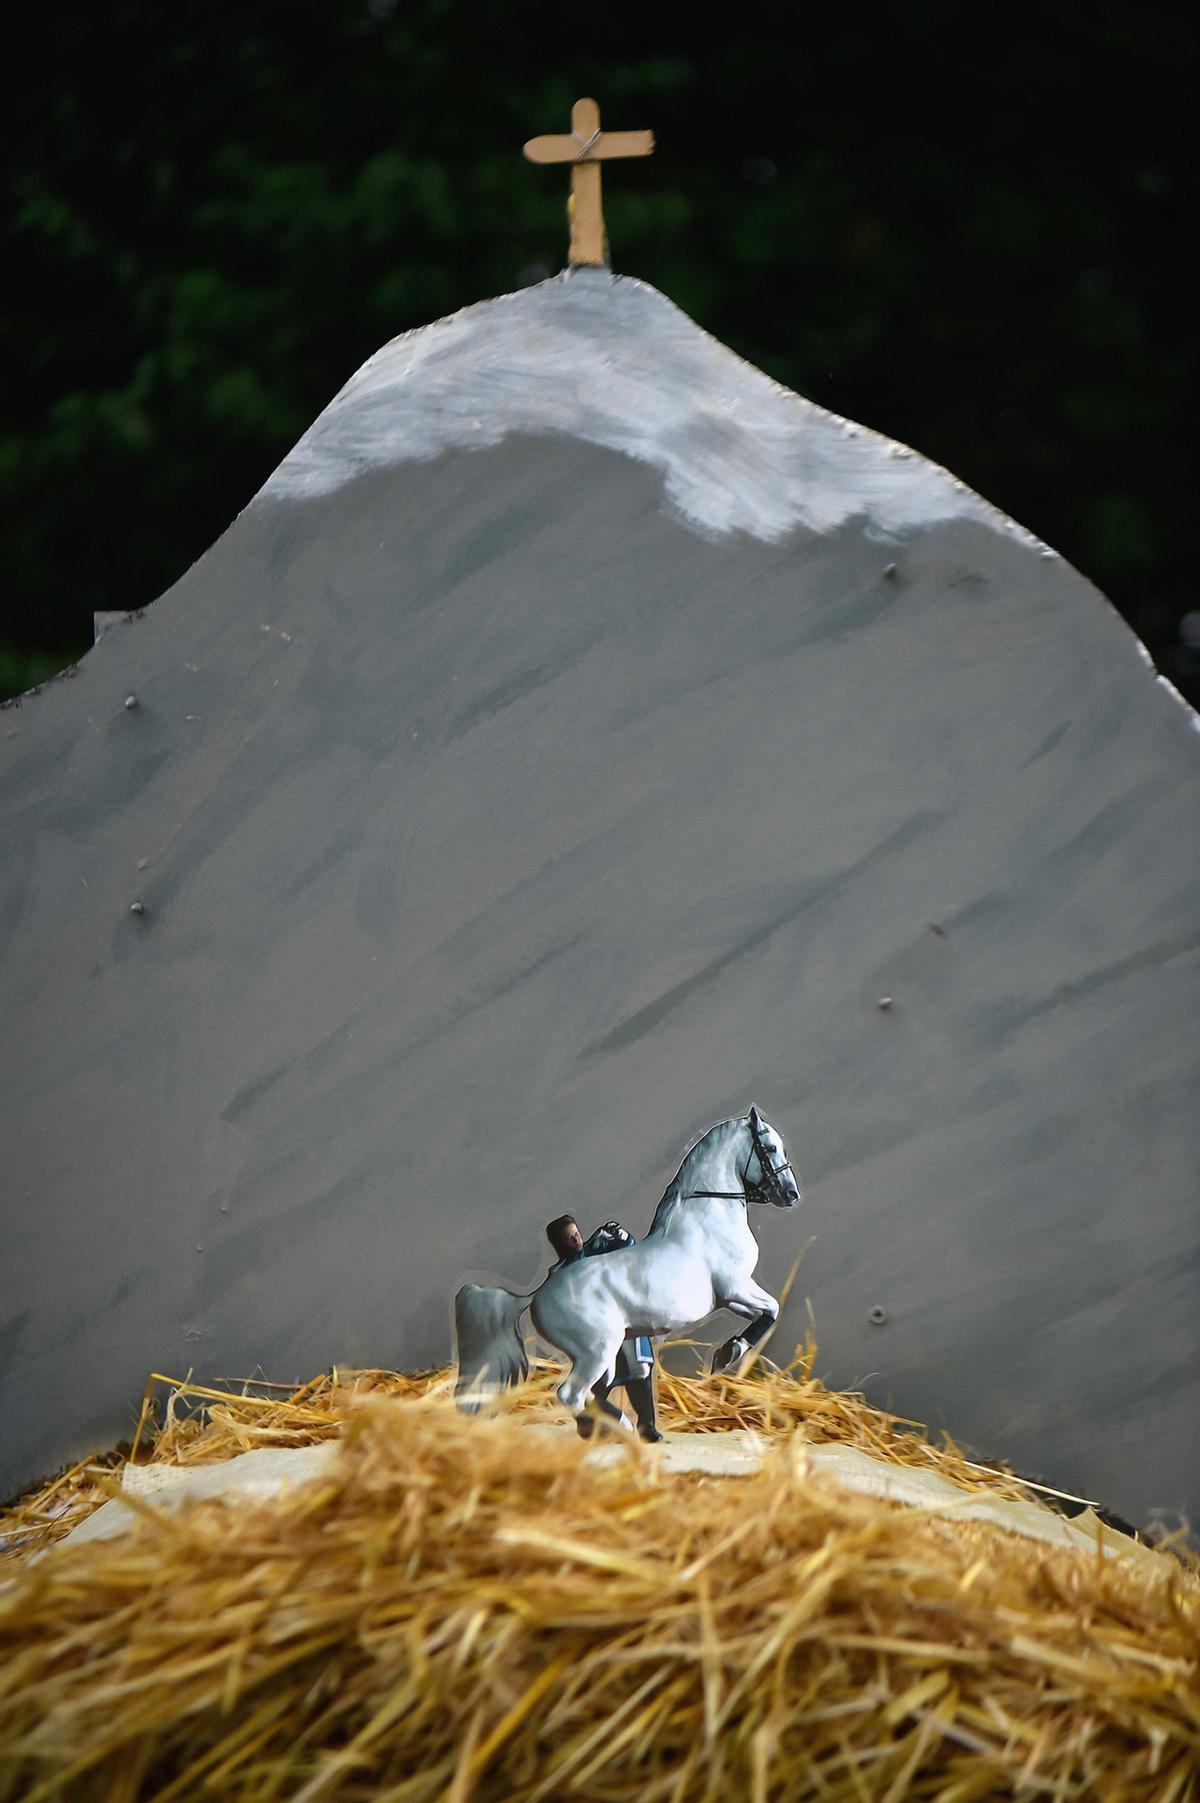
<point x="460" y="1608"/>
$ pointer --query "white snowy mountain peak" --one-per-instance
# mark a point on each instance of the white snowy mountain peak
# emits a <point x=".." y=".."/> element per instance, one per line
<point x="609" y="360"/>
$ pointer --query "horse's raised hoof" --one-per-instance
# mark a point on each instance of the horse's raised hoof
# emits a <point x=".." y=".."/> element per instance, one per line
<point x="730" y="1354"/>
<point x="585" y="1426"/>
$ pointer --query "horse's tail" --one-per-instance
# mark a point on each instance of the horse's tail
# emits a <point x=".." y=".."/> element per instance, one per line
<point x="491" y="1353"/>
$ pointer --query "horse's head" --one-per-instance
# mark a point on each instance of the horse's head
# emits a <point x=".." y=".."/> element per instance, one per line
<point x="767" y="1175"/>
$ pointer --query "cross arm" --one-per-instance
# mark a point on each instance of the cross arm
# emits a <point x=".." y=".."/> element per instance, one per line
<point x="566" y="147"/>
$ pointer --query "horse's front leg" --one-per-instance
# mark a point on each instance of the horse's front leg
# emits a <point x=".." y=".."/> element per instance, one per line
<point x="760" y="1309"/>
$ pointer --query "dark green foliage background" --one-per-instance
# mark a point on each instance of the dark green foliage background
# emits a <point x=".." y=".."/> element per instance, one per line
<point x="965" y="228"/>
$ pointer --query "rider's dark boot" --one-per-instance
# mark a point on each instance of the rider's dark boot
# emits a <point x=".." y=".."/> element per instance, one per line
<point x="640" y="1391"/>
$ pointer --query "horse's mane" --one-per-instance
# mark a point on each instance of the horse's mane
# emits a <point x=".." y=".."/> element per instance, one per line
<point x="670" y="1198"/>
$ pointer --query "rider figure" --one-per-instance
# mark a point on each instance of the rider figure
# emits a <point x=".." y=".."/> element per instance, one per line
<point x="635" y="1360"/>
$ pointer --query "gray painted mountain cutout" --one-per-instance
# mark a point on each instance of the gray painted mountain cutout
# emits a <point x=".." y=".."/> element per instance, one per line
<point x="578" y="738"/>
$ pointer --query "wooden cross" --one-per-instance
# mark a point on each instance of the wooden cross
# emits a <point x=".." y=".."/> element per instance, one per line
<point x="585" y="150"/>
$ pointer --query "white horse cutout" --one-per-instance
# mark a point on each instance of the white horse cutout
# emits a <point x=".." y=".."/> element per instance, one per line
<point x="699" y="1255"/>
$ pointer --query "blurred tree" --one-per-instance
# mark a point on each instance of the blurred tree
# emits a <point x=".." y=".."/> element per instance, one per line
<point x="962" y="229"/>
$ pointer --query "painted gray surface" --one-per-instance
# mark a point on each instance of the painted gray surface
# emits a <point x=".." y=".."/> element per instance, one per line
<point x="500" y="822"/>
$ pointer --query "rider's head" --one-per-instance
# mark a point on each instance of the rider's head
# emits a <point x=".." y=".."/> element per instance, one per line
<point x="564" y="1235"/>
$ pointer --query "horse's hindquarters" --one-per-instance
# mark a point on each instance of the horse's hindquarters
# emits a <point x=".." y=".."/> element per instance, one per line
<point x="576" y="1310"/>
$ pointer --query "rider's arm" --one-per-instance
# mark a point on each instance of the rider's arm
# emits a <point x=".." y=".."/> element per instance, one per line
<point x="611" y="1237"/>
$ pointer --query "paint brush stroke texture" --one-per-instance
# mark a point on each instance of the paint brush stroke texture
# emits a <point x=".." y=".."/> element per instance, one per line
<point x="608" y="360"/>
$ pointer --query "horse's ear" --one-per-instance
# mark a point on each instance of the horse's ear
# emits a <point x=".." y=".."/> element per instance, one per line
<point x="754" y="1118"/>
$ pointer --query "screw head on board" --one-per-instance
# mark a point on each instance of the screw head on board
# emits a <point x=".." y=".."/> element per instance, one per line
<point x="137" y="907"/>
<point x="877" y="1316"/>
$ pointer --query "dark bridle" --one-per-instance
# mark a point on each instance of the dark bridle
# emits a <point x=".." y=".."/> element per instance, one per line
<point x="769" y="1188"/>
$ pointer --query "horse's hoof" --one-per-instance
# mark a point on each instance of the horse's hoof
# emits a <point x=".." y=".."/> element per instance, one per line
<point x="585" y="1426"/>
<point x="650" y="1435"/>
